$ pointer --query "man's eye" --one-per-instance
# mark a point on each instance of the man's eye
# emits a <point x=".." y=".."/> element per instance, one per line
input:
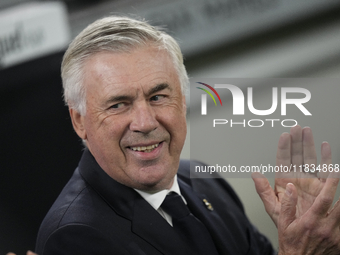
<point x="116" y="106"/>
<point x="156" y="98"/>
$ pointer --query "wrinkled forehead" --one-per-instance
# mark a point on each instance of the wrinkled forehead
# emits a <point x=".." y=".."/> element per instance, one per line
<point x="137" y="69"/>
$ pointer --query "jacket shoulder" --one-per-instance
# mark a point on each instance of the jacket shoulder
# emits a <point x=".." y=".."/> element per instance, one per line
<point x="73" y="211"/>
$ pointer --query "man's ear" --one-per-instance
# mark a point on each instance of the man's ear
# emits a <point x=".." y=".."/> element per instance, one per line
<point x="78" y="123"/>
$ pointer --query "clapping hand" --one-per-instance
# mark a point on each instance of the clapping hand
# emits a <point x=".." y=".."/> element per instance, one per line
<point x="301" y="203"/>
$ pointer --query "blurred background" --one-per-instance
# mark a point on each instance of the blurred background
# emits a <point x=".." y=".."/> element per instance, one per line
<point x="220" y="39"/>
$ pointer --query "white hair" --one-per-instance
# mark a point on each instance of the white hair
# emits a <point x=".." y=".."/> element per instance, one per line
<point x="114" y="34"/>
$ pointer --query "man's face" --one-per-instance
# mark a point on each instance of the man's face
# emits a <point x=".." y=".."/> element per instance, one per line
<point x="135" y="124"/>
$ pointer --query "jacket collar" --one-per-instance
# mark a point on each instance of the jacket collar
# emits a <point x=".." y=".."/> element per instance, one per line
<point x="118" y="196"/>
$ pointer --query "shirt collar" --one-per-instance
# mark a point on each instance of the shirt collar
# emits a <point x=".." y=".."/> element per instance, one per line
<point x="156" y="199"/>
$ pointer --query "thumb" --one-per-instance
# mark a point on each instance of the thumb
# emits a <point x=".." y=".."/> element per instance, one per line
<point x="288" y="206"/>
<point x="266" y="194"/>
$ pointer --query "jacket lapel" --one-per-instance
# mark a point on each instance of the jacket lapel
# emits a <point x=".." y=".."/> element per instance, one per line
<point x="223" y="239"/>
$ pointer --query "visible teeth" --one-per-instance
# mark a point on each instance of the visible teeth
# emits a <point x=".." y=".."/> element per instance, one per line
<point x="145" y="149"/>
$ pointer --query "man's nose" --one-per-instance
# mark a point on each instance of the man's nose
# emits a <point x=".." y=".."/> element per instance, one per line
<point x="143" y="118"/>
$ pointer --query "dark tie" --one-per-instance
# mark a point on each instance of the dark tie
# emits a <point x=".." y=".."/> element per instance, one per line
<point x="188" y="226"/>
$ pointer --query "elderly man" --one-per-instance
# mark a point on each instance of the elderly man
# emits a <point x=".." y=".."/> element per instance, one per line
<point x="124" y="83"/>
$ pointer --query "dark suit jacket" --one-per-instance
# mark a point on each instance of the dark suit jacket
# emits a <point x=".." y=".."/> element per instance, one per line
<point x="94" y="214"/>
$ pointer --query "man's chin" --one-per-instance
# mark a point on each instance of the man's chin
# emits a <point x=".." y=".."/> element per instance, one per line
<point x="156" y="184"/>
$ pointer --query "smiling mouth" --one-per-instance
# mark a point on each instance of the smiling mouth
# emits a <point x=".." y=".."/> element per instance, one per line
<point x="148" y="148"/>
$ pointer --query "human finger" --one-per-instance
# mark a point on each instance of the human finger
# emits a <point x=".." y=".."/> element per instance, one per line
<point x="309" y="153"/>
<point x="10" y="253"/>
<point x="334" y="214"/>
<point x="296" y="146"/>
<point x="266" y="194"/>
<point x="288" y="206"/>
<point x="324" y="200"/>
<point x="283" y="155"/>
<point x="326" y="161"/>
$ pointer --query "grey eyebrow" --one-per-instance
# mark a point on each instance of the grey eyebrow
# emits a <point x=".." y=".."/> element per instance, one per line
<point x="115" y="99"/>
<point x="158" y="87"/>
